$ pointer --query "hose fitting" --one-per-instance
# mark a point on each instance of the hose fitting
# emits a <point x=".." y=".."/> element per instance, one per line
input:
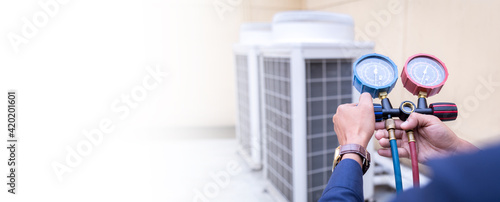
<point x="390" y="125"/>
<point x="411" y="137"/>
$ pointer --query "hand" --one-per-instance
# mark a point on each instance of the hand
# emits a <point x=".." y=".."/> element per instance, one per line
<point x="355" y="124"/>
<point x="434" y="139"/>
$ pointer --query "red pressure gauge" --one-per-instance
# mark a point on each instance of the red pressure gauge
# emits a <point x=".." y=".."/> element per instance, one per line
<point x="424" y="73"/>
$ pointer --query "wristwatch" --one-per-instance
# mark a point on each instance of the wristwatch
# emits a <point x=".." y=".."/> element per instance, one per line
<point x="352" y="148"/>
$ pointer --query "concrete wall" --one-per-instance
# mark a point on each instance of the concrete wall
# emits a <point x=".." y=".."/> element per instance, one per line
<point x="263" y="10"/>
<point x="464" y="34"/>
<point x="198" y="41"/>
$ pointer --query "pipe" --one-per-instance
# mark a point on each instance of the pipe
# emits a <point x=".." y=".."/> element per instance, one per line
<point x="414" y="158"/>
<point x="391" y="126"/>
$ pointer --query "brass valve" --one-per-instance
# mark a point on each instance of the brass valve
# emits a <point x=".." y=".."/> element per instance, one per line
<point x="390" y="125"/>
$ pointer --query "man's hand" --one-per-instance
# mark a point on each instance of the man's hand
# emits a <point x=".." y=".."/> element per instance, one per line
<point x="355" y="124"/>
<point x="434" y="139"/>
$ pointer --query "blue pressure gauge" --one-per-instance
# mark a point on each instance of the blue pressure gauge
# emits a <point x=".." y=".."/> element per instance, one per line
<point x="374" y="73"/>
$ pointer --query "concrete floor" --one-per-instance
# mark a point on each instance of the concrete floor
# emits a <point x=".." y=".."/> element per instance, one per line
<point x="197" y="169"/>
<point x="150" y="165"/>
<point x="203" y="170"/>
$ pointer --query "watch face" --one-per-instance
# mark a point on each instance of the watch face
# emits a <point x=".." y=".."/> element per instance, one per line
<point x="336" y="157"/>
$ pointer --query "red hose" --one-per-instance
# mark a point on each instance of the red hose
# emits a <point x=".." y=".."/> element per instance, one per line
<point x="414" y="164"/>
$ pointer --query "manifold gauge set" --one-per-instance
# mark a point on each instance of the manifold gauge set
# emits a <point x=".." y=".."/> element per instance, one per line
<point x="423" y="75"/>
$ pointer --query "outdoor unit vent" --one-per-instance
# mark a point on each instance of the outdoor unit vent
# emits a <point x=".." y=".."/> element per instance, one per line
<point x="248" y="127"/>
<point x="306" y="74"/>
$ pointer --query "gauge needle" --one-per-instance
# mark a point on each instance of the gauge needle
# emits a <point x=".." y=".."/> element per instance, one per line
<point x="425" y="72"/>
<point x="375" y="71"/>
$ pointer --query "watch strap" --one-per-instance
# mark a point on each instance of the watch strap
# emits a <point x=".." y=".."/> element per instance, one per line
<point x="357" y="149"/>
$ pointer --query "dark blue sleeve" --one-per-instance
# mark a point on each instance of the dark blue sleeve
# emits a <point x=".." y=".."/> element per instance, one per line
<point x="346" y="183"/>
<point x="466" y="177"/>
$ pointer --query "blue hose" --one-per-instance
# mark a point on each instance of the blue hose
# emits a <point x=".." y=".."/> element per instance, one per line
<point x="397" y="167"/>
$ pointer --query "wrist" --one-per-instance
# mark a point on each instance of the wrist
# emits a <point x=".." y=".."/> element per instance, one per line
<point x="465" y="146"/>
<point x="361" y="142"/>
<point x="358" y="138"/>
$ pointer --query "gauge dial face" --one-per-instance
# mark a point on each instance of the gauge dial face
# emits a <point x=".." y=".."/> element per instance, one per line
<point x="375" y="72"/>
<point x="426" y="71"/>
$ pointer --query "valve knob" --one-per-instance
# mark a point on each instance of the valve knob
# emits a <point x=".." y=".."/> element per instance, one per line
<point x="377" y="109"/>
<point x="444" y="111"/>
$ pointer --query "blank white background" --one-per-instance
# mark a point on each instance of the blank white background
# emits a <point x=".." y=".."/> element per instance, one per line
<point x="89" y="54"/>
